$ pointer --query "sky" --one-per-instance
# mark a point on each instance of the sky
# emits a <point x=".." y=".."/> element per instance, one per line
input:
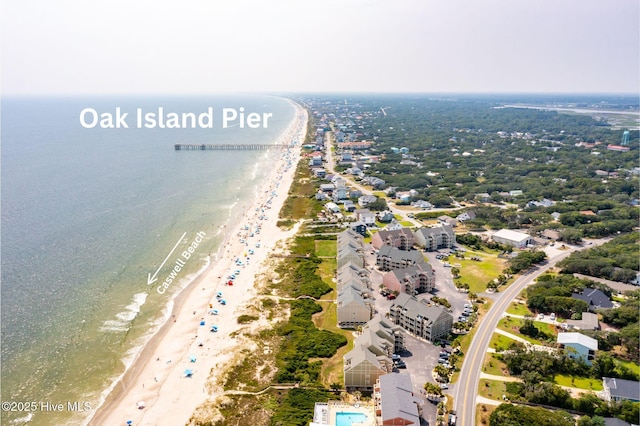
<point x="121" y="47"/>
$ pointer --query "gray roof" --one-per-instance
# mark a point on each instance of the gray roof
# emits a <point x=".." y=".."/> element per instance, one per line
<point x="360" y="354"/>
<point x="396" y="398"/>
<point x="398" y="255"/>
<point x="624" y="389"/>
<point x="415" y="308"/>
<point x="595" y="298"/>
<point x="413" y="271"/>
<point x="436" y="230"/>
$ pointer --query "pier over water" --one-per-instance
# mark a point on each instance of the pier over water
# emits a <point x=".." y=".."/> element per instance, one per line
<point x="229" y="147"/>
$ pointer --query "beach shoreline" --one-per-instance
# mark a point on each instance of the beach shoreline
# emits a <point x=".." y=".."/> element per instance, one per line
<point x="156" y="376"/>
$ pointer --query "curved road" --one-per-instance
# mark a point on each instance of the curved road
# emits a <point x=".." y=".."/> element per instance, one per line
<point x="467" y="387"/>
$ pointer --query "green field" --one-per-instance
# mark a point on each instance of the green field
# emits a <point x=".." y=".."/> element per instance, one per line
<point x="499" y="342"/>
<point x="494" y="366"/>
<point x="512" y="325"/>
<point x="492" y="389"/>
<point x="578" y="382"/>
<point x="326" y="248"/>
<point x="519" y="309"/>
<point x="478" y="274"/>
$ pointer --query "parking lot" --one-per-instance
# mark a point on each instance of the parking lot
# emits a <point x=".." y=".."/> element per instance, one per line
<point x="421" y="356"/>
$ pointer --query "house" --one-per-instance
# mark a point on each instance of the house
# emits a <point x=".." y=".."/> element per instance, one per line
<point x="389" y="258"/>
<point x="402" y="238"/>
<point x="349" y="206"/>
<point x="394" y="401"/>
<point x="420" y="319"/>
<point x="411" y="280"/>
<point x="589" y="321"/>
<point x="435" y="238"/>
<point x="447" y="220"/>
<point x="365" y="200"/>
<point x="468" y="215"/>
<point x="620" y="390"/>
<point x="516" y="192"/>
<point x="512" y="238"/>
<point x="354" y="308"/>
<point x="327" y="187"/>
<point x="332" y="207"/>
<point x="359" y="227"/>
<point x="578" y="346"/>
<point x="365" y="216"/>
<point x="595" y="298"/>
<point x="483" y="197"/>
<point x="404" y="196"/>
<point x="341" y="192"/>
<point x="319" y="172"/>
<point x="386" y="217"/>
<point x="422" y="204"/>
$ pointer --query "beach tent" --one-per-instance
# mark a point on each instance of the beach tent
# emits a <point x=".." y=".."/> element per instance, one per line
<point x="202" y="322"/>
<point x="188" y="373"/>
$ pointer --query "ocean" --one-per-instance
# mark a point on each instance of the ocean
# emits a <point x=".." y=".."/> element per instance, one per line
<point x="88" y="214"/>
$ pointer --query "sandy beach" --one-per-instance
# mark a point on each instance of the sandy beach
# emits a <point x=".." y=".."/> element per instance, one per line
<point x="157" y="389"/>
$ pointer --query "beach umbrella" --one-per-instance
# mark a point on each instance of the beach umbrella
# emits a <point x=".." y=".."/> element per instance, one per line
<point x="140" y="404"/>
<point x="214" y="328"/>
<point x="129" y="422"/>
<point x="192" y="358"/>
<point x="202" y="322"/>
<point x="188" y="373"/>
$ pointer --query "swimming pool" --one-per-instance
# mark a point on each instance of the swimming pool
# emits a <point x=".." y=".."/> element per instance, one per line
<point x="347" y="419"/>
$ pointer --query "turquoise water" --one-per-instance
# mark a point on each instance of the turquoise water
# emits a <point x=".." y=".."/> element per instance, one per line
<point x="87" y="215"/>
<point x="347" y="419"/>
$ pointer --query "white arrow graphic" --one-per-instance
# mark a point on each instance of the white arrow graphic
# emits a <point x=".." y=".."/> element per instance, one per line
<point x="151" y="279"/>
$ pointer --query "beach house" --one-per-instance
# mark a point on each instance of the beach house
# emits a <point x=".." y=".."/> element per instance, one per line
<point x="401" y="238"/>
<point x="578" y="346"/>
<point x="411" y="280"/>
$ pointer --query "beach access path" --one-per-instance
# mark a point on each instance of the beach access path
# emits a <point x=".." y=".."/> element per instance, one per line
<point x="157" y="378"/>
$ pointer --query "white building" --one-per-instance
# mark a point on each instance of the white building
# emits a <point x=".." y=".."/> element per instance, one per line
<point x="512" y="238"/>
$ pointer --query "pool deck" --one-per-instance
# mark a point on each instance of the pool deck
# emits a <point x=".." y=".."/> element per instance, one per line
<point x="325" y="413"/>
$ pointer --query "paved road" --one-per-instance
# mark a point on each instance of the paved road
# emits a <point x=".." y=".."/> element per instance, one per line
<point x="466" y="391"/>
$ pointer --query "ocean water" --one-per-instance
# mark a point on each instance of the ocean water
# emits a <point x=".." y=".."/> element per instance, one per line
<point x="87" y="214"/>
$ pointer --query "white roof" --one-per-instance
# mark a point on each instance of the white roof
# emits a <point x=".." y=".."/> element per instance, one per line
<point x="586" y="341"/>
<point x="512" y="235"/>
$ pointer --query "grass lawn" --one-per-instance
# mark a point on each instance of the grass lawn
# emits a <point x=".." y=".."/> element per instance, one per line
<point x="465" y="339"/>
<point x="578" y="382"/>
<point x="483" y="412"/>
<point x="326" y="248"/>
<point x="500" y="343"/>
<point x="326" y="270"/>
<point x="492" y="365"/>
<point x="406" y="224"/>
<point x="630" y="365"/>
<point x="512" y="325"/>
<point x="516" y="308"/>
<point x="478" y="274"/>
<point x="492" y="389"/>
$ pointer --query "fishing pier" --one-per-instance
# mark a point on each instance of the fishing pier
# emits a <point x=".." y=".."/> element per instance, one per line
<point x="228" y="147"/>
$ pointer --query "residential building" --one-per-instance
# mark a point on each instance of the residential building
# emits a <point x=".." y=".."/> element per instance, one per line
<point x="464" y="216"/>
<point x="370" y="357"/>
<point x="411" y="280"/>
<point x="365" y="200"/>
<point x="447" y="220"/>
<point x="354" y="308"/>
<point x="389" y="258"/>
<point x="394" y="401"/>
<point x="365" y="216"/>
<point x="512" y="238"/>
<point x="332" y="207"/>
<point x="435" y="238"/>
<point x="359" y="227"/>
<point x="595" y="298"/>
<point x="620" y="390"/>
<point x="402" y="238"/>
<point x="589" y="321"/>
<point x="420" y="319"/>
<point x="578" y="346"/>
